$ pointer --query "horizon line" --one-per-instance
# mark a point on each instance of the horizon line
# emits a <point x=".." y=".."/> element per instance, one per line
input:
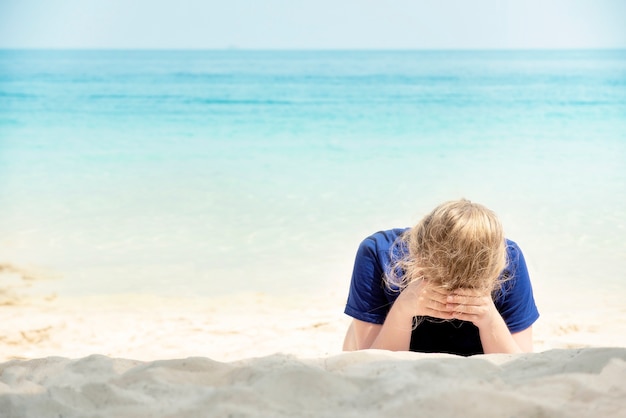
<point x="305" y="49"/>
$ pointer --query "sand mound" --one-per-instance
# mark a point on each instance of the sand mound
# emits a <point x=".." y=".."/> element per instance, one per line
<point x="585" y="382"/>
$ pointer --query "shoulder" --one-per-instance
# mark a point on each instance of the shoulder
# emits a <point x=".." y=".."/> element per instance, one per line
<point x="367" y="300"/>
<point x="377" y="247"/>
<point x="516" y="264"/>
<point x="383" y="240"/>
<point x="512" y="249"/>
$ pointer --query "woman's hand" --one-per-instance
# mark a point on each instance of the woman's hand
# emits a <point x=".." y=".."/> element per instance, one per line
<point x="421" y="298"/>
<point x="478" y="308"/>
<point x="470" y="305"/>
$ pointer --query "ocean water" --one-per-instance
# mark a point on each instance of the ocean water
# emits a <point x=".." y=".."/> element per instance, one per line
<point x="216" y="172"/>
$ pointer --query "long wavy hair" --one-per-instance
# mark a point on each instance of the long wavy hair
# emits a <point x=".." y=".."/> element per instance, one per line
<point x="459" y="244"/>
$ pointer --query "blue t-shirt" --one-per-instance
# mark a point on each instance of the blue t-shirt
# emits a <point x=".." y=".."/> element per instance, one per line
<point x="370" y="299"/>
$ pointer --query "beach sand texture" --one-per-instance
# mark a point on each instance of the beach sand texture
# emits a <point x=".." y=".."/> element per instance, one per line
<point x="556" y="383"/>
<point x="261" y="355"/>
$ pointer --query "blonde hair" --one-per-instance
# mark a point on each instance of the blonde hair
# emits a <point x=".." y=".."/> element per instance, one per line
<point x="460" y="244"/>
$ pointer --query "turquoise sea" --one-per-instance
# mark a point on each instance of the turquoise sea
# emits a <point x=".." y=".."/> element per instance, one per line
<point x="216" y="172"/>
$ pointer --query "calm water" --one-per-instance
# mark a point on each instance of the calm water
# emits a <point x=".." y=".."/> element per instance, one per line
<point x="213" y="172"/>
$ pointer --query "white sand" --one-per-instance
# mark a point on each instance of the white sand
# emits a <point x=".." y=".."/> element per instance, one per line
<point x="561" y="383"/>
<point x="256" y="355"/>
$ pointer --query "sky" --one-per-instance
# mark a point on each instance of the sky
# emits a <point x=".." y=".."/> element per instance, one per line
<point x="313" y="24"/>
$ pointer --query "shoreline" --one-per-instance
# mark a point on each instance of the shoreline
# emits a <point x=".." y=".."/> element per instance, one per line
<point x="240" y="326"/>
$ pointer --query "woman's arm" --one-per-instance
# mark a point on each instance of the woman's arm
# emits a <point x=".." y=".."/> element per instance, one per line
<point x="394" y="334"/>
<point x="360" y="335"/>
<point x="479" y="308"/>
<point x="418" y="299"/>
<point x="524" y="339"/>
<point x="496" y="338"/>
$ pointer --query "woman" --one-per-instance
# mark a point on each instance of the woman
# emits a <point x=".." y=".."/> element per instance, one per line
<point x="450" y="284"/>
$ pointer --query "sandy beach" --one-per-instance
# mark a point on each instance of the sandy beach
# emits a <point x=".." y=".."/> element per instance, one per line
<point x="184" y="187"/>
<point x="262" y="355"/>
<point x="559" y="383"/>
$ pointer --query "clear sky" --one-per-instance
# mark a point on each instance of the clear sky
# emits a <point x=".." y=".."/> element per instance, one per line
<point x="313" y="24"/>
